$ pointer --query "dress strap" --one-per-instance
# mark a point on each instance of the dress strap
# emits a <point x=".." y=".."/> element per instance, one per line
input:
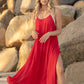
<point x="52" y="17"/>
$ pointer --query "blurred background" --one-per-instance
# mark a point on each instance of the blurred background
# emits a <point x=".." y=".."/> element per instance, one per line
<point x="15" y="25"/>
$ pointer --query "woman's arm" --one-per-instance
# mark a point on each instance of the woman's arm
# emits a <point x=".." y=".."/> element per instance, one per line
<point x="58" y="19"/>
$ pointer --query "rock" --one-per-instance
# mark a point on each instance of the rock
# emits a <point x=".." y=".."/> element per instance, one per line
<point x="22" y="6"/>
<point x="6" y="16"/>
<point x="11" y="5"/>
<point x="8" y="59"/>
<point x="4" y="75"/>
<point x="2" y="34"/>
<point x="68" y="13"/>
<point x="20" y="27"/>
<point x="2" y="9"/>
<point x="5" y="6"/>
<point x="79" y="4"/>
<point x="24" y="53"/>
<point x="2" y="2"/>
<point x="79" y="8"/>
<point x="71" y="42"/>
<point x="75" y="73"/>
<point x="17" y="7"/>
<point x="81" y="0"/>
<point x="65" y="2"/>
<point x="27" y="5"/>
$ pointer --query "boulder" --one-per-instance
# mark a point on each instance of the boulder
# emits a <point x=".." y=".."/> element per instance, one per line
<point x="5" y="6"/>
<point x="2" y="2"/>
<point x="2" y="9"/>
<point x="20" y="27"/>
<point x="11" y="5"/>
<point x="75" y="73"/>
<point x="6" y="16"/>
<point x="81" y="0"/>
<point x="17" y="7"/>
<point x="27" y="5"/>
<point x="24" y="52"/>
<point x="8" y="59"/>
<point x="71" y="41"/>
<point x="79" y="4"/>
<point x="68" y="13"/>
<point x="65" y="2"/>
<point x="22" y="6"/>
<point x="2" y="34"/>
<point x="79" y="8"/>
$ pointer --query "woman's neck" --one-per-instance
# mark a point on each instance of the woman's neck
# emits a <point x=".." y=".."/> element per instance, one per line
<point x="44" y="7"/>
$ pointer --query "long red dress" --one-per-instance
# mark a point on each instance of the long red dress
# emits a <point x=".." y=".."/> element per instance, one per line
<point x="40" y="67"/>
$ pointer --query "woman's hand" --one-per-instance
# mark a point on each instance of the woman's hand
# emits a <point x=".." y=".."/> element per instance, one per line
<point x="44" y="37"/>
<point x="35" y="34"/>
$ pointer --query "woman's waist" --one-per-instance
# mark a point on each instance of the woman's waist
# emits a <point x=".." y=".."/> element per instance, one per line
<point x="51" y="37"/>
<point x="43" y="32"/>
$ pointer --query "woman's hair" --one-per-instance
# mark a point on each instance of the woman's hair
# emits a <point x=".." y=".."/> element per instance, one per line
<point x="38" y="5"/>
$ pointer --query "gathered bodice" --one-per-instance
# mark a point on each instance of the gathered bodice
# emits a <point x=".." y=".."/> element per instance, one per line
<point x="47" y="16"/>
<point x="45" y="25"/>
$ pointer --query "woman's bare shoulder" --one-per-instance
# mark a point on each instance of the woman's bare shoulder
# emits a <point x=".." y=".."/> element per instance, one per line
<point x="57" y="10"/>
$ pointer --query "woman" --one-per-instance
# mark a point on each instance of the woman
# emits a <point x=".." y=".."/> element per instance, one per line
<point x="44" y="64"/>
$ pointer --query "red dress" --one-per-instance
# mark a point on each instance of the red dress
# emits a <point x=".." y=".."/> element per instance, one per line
<point x="40" y="67"/>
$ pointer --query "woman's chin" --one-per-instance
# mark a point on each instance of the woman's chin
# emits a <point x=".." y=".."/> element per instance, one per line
<point x="44" y="4"/>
